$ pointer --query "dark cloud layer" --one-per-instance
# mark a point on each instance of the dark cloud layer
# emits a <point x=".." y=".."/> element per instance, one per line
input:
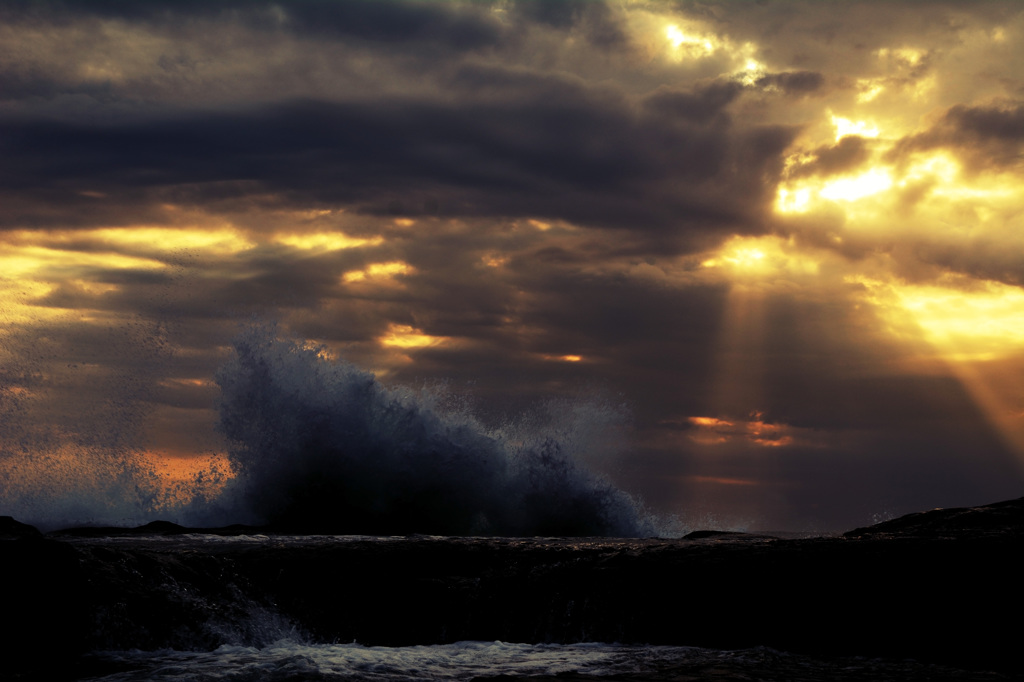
<point x="793" y="82"/>
<point x="989" y="137"/>
<point x="388" y="22"/>
<point x="558" y="150"/>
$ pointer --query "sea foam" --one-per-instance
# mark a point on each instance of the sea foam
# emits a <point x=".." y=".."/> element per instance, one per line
<point x="319" y="444"/>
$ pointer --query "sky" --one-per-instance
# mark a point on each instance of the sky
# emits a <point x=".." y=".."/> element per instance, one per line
<point x="782" y="242"/>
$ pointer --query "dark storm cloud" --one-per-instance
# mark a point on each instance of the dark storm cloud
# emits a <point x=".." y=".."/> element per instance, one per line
<point x="456" y="25"/>
<point x="29" y="84"/>
<point x="255" y="281"/>
<point x="792" y="82"/>
<point x="702" y="105"/>
<point x="988" y="137"/>
<point x="980" y="257"/>
<point x="848" y="153"/>
<point x="484" y="140"/>
<point x="990" y="123"/>
<point x="570" y="153"/>
<point x="595" y="18"/>
<point x="442" y="26"/>
<point x="993" y="136"/>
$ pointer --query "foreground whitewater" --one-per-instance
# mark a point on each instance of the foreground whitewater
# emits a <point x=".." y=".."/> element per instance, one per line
<point x="922" y="597"/>
<point x="292" y="661"/>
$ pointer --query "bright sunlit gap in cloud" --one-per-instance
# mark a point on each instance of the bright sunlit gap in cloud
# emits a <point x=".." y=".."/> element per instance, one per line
<point x="406" y="336"/>
<point x="49" y="260"/>
<point x="857" y="187"/>
<point x="692" y="44"/>
<point x="326" y="241"/>
<point x="973" y="327"/>
<point x="938" y="173"/>
<point x="378" y="271"/>
<point x="801" y="194"/>
<point x="224" y="240"/>
<point x="966" y="324"/>
<point x="845" y="126"/>
<point x="939" y="166"/>
<point x="746" y="258"/>
<point x="685" y="45"/>
<point x="983" y="322"/>
<point x="34" y="265"/>
<point x="750" y="72"/>
<point x="869" y="89"/>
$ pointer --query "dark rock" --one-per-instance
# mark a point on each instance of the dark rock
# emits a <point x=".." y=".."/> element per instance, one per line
<point x="705" y="534"/>
<point x="11" y="529"/>
<point x="159" y="528"/>
<point x="1001" y="519"/>
<point x="46" y="613"/>
<point x="935" y="587"/>
<point x="152" y="528"/>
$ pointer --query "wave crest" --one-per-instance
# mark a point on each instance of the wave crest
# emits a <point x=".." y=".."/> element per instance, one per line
<point x="321" y="445"/>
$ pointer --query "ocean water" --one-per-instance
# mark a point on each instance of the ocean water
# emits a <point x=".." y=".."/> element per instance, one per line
<point x="255" y="642"/>
<point x="296" y="661"/>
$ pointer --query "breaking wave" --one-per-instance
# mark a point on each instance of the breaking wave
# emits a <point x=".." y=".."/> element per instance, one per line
<point x="321" y="445"/>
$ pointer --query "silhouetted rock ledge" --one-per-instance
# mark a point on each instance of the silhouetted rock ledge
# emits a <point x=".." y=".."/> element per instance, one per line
<point x="1002" y="519"/>
<point x="11" y="529"/>
<point x="156" y="528"/>
<point x="942" y="587"/>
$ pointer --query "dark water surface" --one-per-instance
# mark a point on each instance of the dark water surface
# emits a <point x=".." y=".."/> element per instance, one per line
<point x="925" y="597"/>
<point x="296" y="661"/>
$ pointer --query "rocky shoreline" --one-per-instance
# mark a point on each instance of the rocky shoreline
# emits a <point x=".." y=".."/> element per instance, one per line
<point x="940" y="587"/>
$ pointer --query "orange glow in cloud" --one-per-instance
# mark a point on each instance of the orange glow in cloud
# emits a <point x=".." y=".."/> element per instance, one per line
<point x="709" y="422"/>
<point x="492" y="260"/>
<point x="563" y="358"/>
<point x="715" y="430"/>
<point x="768" y="434"/>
